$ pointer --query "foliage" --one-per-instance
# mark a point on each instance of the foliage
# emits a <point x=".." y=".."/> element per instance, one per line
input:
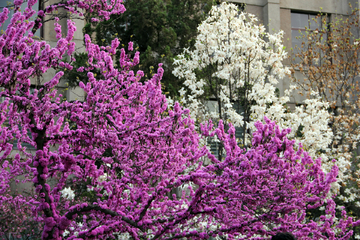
<point x="159" y="29"/>
<point x="230" y="63"/>
<point x="130" y="151"/>
<point x="328" y="60"/>
<point x="237" y="65"/>
<point x="15" y="222"/>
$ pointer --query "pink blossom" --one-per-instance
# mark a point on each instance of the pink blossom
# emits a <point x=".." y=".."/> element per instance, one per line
<point x="122" y="161"/>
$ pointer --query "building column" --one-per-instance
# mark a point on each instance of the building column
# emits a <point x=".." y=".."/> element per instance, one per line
<point x="271" y="13"/>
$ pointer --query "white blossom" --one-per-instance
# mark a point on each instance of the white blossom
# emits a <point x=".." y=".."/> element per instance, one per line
<point x="68" y="193"/>
<point x="234" y="52"/>
<point x="65" y="233"/>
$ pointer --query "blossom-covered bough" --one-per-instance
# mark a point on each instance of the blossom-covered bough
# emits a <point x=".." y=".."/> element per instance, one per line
<point x="107" y="167"/>
<point x="238" y="65"/>
<point x="328" y="63"/>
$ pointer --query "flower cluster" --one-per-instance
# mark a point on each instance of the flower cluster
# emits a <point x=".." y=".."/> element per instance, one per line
<point x="231" y="50"/>
<point x="122" y="163"/>
<point x="328" y="63"/>
<point x="237" y="65"/>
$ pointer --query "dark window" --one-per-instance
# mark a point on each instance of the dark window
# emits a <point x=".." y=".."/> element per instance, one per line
<point x="25" y="144"/>
<point x="241" y="6"/>
<point x="304" y="23"/>
<point x="15" y="141"/>
<point x="239" y="131"/>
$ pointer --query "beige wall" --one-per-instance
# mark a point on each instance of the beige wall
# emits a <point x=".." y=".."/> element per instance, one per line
<point x="276" y="16"/>
<point x="49" y="35"/>
<point x="327" y="6"/>
<point x="257" y="11"/>
<point x="251" y="2"/>
<point x="285" y="25"/>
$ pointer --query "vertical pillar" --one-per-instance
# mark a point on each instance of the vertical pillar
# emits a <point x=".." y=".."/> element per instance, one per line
<point x="77" y="93"/>
<point x="271" y="13"/>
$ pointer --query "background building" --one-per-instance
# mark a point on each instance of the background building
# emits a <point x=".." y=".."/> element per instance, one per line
<point x="293" y="16"/>
<point x="47" y="33"/>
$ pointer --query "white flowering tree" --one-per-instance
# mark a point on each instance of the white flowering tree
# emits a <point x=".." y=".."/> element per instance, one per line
<point x="232" y="75"/>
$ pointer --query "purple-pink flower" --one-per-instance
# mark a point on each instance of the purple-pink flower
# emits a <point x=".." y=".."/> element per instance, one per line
<point x="124" y="162"/>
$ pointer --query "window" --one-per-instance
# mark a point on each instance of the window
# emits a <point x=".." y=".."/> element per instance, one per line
<point x="239" y="131"/>
<point x="302" y="24"/>
<point x="25" y="144"/>
<point x="241" y="6"/>
<point x="7" y="3"/>
<point x="6" y="123"/>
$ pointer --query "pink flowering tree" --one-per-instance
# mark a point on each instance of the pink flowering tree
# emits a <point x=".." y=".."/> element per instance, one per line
<point x="110" y="166"/>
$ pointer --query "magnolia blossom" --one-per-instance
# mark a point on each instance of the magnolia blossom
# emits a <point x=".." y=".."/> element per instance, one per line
<point x="65" y="233"/>
<point x="233" y="54"/>
<point x="68" y="193"/>
<point x="127" y="154"/>
<point x="238" y="65"/>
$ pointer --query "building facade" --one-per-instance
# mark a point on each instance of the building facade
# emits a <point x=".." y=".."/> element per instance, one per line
<point x="47" y="33"/>
<point x="293" y="16"/>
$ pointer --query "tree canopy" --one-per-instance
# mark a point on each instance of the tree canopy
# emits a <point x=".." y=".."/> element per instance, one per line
<point x="327" y="59"/>
<point x="159" y="29"/>
<point x="108" y="166"/>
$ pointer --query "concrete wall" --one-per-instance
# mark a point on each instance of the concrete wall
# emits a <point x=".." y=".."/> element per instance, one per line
<point x="285" y="25"/>
<point x="327" y="6"/>
<point x="49" y="35"/>
<point x="257" y="11"/>
<point x="276" y="16"/>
